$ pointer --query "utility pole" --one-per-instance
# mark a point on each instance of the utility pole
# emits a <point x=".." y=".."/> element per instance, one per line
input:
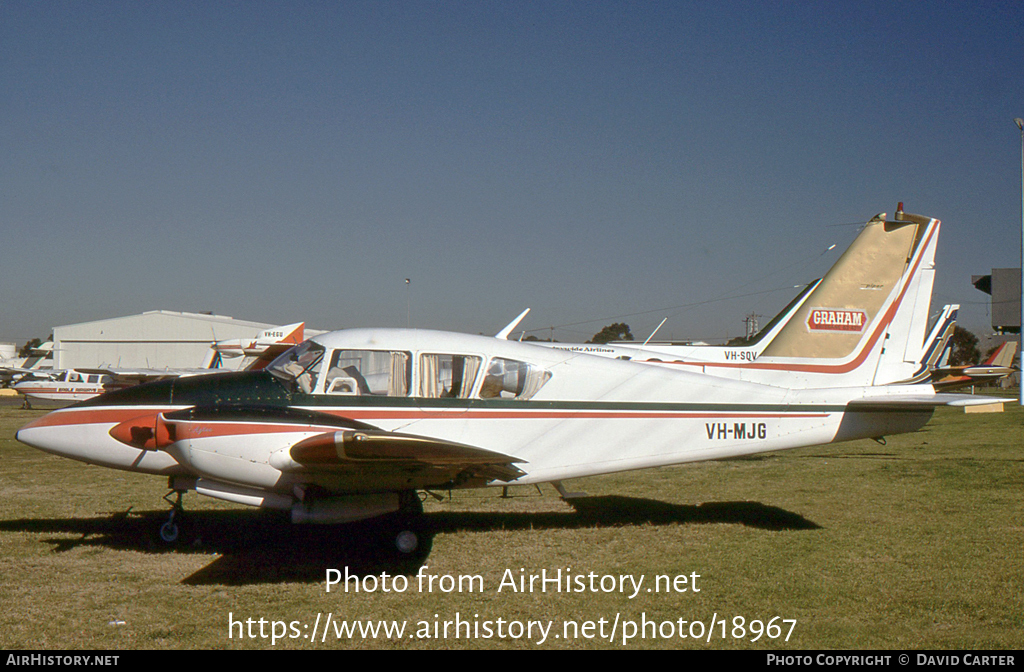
<point x="752" y="326"/>
<point x="1020" y="348"/>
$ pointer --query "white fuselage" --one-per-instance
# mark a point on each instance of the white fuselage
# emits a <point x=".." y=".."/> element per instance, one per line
<point x="591" y="416"/>
<point x="68" y="387"/>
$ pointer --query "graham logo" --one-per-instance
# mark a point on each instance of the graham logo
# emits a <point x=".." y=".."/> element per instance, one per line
<point x="836" y="319"/>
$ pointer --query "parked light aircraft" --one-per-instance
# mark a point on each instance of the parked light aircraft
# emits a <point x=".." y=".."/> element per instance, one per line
<point x="264" y="348"/>
<point x="350" y="425"/>
<point x="62" y="386"/>
<point x="998" y="365"/>
<point x="935" y="367"/>
<point x="65" y="386"/>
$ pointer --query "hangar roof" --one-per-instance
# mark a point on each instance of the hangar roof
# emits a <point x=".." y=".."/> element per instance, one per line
<point x="163" y="325"/>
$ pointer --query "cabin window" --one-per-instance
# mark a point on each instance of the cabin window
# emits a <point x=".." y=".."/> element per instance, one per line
<point x="448" y="376"/>
<point x="511" y="379"/>
<point x="360" y="372"/>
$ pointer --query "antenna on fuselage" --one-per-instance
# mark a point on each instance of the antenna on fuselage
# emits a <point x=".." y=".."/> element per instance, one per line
<point x="653" y="333"/>
<point x="503" y="334"/>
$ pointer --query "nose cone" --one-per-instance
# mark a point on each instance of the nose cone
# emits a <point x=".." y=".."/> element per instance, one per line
<point x="49" y="436"/>
<point x="83" y="434"/>
<point x="34" y="433"/>
<point x="57" y="432"/>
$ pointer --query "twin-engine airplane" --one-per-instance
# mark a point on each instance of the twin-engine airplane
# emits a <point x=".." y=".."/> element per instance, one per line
<point x="350" y="425"/>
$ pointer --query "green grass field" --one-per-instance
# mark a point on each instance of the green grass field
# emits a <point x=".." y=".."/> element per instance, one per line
<point x="918" y="543"/>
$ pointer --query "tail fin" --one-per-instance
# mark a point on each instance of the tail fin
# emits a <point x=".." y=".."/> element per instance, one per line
<point x="213" y="359"/>
<point x="937" y="346"/>
<point x="1004" y="355"/>
<point x="271" y="343"/>
<point x="868" y="316"/>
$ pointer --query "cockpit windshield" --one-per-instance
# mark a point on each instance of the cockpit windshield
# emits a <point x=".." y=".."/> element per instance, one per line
<point x="298" y="367"/>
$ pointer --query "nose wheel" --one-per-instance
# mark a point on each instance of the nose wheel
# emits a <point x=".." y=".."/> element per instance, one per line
<point x="170" y="531"/>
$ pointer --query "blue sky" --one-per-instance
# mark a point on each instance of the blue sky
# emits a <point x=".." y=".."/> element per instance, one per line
<point x="594" y="161"/>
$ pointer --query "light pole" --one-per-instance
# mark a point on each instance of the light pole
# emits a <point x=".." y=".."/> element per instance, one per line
<point x="408" y="304"/>
<point x="1020" y="346"/>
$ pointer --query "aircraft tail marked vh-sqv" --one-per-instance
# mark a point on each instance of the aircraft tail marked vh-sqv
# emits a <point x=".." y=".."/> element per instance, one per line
<point x="350" y="425"/>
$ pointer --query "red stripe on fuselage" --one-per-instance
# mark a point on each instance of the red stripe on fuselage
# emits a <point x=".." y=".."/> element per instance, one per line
<point x="534" y="414"/>
<point x="96" y="415"/>
<point x="205" y="429"/>
<point x="59" y="390"/>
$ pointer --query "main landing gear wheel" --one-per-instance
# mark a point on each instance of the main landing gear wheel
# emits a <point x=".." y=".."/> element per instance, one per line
<point x="407" y="541"/>
<point x="407" y="537"/>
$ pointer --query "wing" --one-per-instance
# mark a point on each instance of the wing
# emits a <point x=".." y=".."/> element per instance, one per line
<point x="36" y="373"/>
<point x="337" y="453"/>
<point x="130" y="377"/>
<point x="998" y="366"/>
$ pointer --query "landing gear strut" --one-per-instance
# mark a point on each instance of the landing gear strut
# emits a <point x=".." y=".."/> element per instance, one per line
<point x="169" y="530"/>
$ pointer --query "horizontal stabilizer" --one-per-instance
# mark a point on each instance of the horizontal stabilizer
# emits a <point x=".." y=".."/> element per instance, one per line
<point x="911" y="402"/>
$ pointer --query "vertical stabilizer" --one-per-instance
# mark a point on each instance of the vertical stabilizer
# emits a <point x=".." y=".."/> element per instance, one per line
<point x="905" y="344"/>
<point x="870" y="311"/>
<point x="935" y="352"/>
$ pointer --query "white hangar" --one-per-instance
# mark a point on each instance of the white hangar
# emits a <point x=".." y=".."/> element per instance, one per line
<point x="156" y="339"/>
